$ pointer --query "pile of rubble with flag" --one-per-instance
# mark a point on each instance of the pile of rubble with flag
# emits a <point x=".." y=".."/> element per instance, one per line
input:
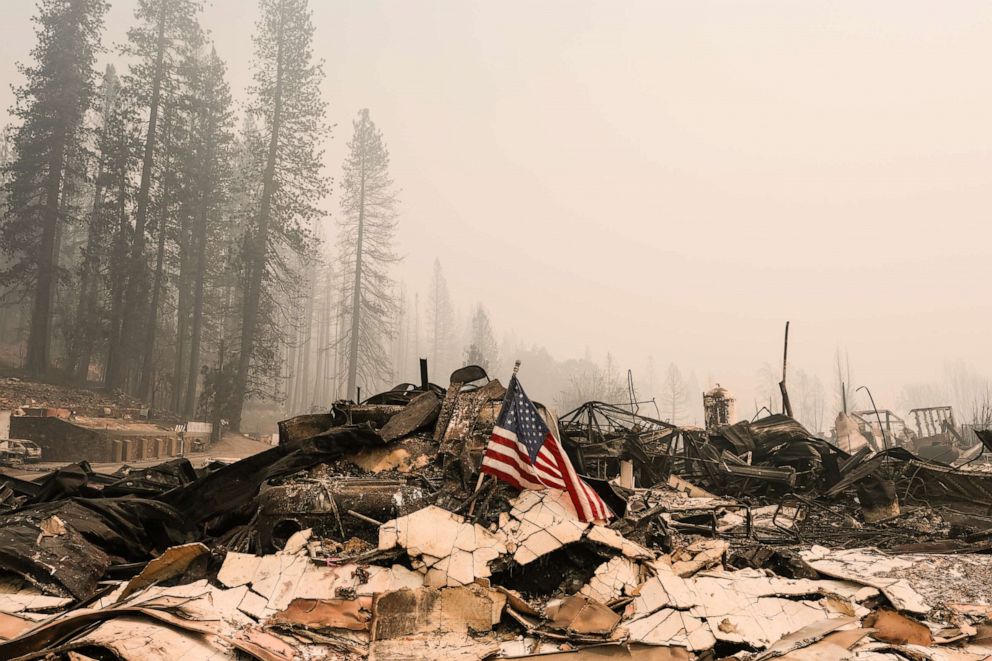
<point x="469" y="523"/>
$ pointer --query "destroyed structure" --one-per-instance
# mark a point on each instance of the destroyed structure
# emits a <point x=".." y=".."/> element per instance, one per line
<point x="718" y="407"/>
<point x="363" y="534"/>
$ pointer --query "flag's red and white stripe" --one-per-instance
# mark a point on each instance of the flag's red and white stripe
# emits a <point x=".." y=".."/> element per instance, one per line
<point x="507" y="459"/>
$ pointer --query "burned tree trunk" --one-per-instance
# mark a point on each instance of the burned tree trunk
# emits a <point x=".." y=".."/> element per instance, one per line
<point x="259" y="244"/>
<point x="40" y="336"/>
<point x="199" y="244"/>
<point x="136" y="273"/>
<point x="146" y="389"/>
<point x="184" y="246"/>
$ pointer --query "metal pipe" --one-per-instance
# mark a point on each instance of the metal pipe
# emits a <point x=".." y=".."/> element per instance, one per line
<point x="885" y="441"/>
<point x="362" y="517"/>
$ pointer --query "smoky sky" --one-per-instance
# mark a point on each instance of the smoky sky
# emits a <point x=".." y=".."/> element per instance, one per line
<point x="673" y="179"/>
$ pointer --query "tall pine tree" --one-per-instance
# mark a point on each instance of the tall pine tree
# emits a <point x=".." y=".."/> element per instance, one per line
<point x="51" y="106"/>
<point x="87" y="327"/>
<point x="368" y="203"/>
<point x="119" y="153"/>
<point x="155" y="44"/>
<point x="290" y="114"/>
<point x="211" y="177"/>
<point x="482" y="349"/>
<point x="440" y="323"/>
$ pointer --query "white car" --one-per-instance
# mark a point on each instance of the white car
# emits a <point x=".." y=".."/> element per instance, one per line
<point x="15" y="448"/>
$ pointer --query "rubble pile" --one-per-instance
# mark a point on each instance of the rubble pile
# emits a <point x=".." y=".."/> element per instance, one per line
<point x="367" y="533"/>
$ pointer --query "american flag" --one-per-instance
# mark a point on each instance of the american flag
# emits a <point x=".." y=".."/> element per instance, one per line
<point x="524" y="453"/>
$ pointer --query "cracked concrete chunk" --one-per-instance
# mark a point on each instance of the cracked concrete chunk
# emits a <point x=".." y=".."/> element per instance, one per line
<point x="541" y="522"/>
<point x="238" y="569"/>
<point x="255" y="605"/>
<point x="762" y="621"/>
<point x="197" y="601"/>
<point x="743" y="607"/>
<point x="810" y="637"/>
<point x="869" y="567"/>
<point x="666" y="590"/>
<point x="196" y="620"/>
<point x="277" y="580"/>
<point x="448" y="550"/>
<point x="672" y="627"/>
<point x="614" y="579"/>
<point x="387" y="579"/>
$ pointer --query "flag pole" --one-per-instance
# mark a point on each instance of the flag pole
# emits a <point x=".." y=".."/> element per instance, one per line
<point x="482" y="476"/>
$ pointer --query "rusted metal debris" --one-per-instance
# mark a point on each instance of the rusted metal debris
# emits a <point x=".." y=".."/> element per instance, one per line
<point x="362" y="536"/>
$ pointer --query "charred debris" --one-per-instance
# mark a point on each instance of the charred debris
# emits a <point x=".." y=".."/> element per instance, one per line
<point x="366" y="533"/>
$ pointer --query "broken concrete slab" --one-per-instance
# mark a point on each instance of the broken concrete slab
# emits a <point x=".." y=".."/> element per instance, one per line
<point x="443" y="546"/>
<point x="275" y="581"/>
<point x="834" y="646"/>
<point x="668" y="626"/>
<point x="740" y="607"/>
<point x="807" y="636"/>
<point x="872" y="568"/>
<point x="619" y="577"/>
<point x="541" y="522"/>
